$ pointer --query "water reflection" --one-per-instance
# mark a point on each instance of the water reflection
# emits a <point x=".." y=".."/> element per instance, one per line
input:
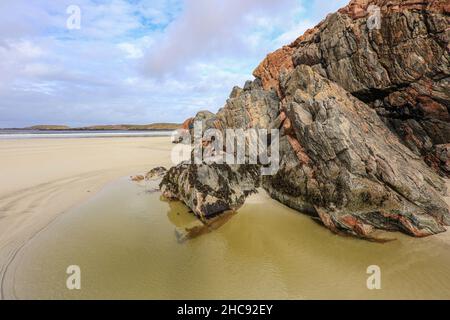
<point x="124" y="242"/>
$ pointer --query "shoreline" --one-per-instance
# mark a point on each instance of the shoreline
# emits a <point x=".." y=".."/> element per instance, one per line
<point x="43" y="179"/>
<point x="80" y="134"/>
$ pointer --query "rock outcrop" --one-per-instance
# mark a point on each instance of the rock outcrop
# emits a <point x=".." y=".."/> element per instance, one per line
<point x="156" y="173"/>
<point x="248" y="107"/>
<point x="401" y="69"/>
<point x="364" y="116"/>
<point x="356" y="175"/>
<point x="210" y="190"/>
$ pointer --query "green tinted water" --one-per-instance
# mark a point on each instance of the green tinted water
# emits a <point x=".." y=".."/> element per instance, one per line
<point x="124" y="242"/>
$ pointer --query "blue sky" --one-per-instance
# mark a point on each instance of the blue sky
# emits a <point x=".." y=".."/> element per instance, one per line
<point x="136" y="61"/>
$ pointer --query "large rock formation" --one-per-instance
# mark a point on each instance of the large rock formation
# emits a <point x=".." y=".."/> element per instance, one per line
<point x="401" y="70"/>
<point x="355" y="174"/>
<point x="362" y="111"/>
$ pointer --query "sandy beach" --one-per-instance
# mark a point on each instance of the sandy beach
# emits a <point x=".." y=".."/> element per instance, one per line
<point x="43" y="178"/>
<point x="124" y="240"/>
<point x="76" y="181"/>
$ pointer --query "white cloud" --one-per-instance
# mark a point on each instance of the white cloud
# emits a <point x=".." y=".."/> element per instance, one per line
<point x="136" y="61"/>
<point x="208" y="28"/>
<point x="132" y="51"/>
<point x="26" y="49"/>
<point x="293" y="33"/>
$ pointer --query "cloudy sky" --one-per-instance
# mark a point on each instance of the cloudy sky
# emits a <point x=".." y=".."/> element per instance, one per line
<point x="136" y="61"/>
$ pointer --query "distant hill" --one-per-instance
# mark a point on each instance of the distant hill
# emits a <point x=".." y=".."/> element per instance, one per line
<point x="122" y="127"/>
<point x="153" y="126"/>
<point x="48" y="127"/>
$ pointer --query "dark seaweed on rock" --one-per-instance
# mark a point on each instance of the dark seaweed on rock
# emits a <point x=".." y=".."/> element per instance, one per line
<point x="210" y="190"/>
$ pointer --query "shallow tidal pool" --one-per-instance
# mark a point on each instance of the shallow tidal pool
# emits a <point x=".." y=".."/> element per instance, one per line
<point x="124" y="242"/>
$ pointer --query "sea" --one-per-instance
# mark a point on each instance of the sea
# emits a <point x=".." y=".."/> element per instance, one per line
<point x="12" y="134"/>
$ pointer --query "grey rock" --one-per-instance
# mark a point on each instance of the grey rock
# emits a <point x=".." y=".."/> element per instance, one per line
<point x="359" y="110"/>
<point x="358" y="177"/>
<point x="402" y="69"/>
<point x="156" y="173"/>
<point x="210" y="190"/>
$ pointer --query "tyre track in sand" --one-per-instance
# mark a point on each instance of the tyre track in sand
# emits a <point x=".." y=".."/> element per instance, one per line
<point x="21" y="219"/>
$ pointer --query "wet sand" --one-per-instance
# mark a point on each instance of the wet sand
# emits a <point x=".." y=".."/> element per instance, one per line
<point x="124" y="241"/>
<point x="122" y="235"/>
<point x="42" y="178"/>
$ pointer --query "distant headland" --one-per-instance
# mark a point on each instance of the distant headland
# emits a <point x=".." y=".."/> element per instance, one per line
<point x="114" y="127"/>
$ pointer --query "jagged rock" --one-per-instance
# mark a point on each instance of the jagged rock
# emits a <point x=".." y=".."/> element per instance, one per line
<point x="235" y="92"/>
<point x="402" y="69"/>
<point x="269" y="70"/>
<point x="210" y="190"/>
<point x="440" y="159"/>
<point x="354" y="173"/>
<point x="208" y="119"/>
<point x="252" y="107"/>
<point x="358" y="8"/>
<point x="156" y="173"/>
<point x="137" y="178"/>
<point x="187" y="125"/>
<point x="248" y="108"/>
<point x="443" y="154"/>
<point x="359" y="110"/>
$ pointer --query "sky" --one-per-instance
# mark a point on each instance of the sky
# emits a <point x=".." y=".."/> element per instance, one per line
<point x="136" y="61"/>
